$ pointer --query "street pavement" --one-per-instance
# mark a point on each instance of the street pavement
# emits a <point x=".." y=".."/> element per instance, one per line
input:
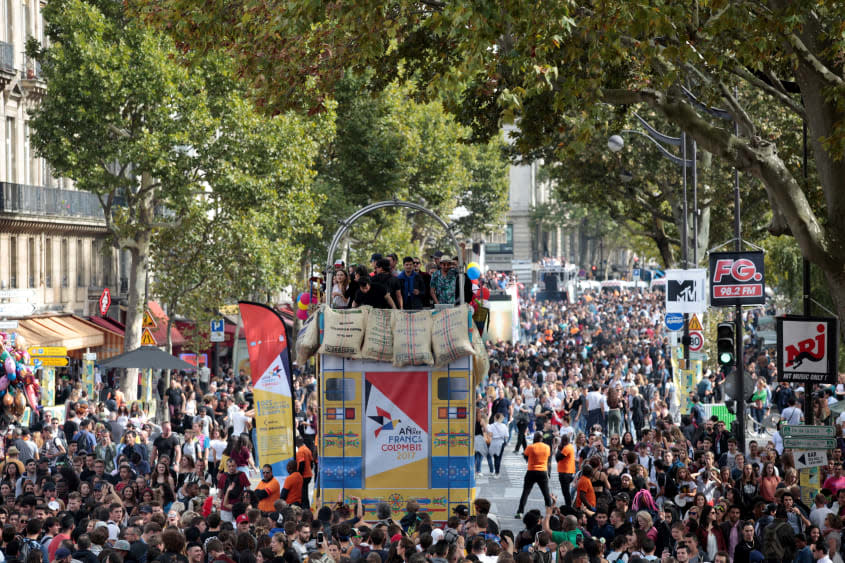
<point x="503" y="493"/>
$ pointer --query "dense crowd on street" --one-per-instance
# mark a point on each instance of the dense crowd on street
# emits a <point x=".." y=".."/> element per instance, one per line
<point x="630" y="469"/>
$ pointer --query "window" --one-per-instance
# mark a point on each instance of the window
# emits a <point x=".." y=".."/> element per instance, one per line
<point x="48" y="262"/>
<point x="64" y="266"/>
<point x="9" y="18"/>
<point x="11" y="148"/>
<point x="452" y="389"/>
<point x="30" y="261"/>
<point x="27" y="169"/>
<point x="13" y="262"/>
<point x="94" y="281"/>
<point x="340" y="389"/>
<point x="499" y="246"/>
<point x="80" y="264"/>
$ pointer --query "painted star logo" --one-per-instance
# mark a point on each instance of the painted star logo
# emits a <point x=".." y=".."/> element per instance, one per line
<point x="384" y="420"/>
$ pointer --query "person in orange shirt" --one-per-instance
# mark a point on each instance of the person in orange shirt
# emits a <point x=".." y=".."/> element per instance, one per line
<point x="566" y="467"/>
<point x="304" y="461"/>
<point x="537" y="455"/>
<point x="292" y="488"/>
<point x="585" y="495"/>
<point x="267" y="490"/>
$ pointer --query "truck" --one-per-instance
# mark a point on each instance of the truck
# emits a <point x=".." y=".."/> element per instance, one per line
<point x="395" y="434"/>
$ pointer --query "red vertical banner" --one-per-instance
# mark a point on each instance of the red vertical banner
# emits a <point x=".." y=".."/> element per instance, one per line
<point x="272" y="384"/>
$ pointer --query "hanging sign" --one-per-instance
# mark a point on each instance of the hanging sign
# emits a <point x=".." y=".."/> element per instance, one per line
<point x="686" y="291"/>
<point x="736" y="278"/>
<point x="806" y="349"/>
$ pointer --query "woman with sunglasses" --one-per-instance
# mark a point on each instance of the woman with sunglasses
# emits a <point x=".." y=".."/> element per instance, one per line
<point x="710" y="535"/>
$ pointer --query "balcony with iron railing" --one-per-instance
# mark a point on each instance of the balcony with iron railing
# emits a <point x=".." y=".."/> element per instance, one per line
<point x="41" y="201"/>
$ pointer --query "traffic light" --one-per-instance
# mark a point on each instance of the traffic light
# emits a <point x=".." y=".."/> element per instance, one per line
<point x="725" y="343"/>
<point x="593" y="268"/>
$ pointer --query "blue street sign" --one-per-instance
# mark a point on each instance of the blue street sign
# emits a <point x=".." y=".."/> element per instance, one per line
<point x="674" y="321"/>
<point x="217" y="325"/>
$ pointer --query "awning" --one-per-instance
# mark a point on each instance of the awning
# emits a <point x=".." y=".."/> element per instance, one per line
<point x="113" y="331"/>
<point x="110" y="325"/>
<point x="160" y="331"/>
<point x="69" y="331"/>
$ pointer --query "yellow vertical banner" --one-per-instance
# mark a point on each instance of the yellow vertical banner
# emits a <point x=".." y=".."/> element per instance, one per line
<point x="48" y="387"/>
<point x="88" y="377"/>
<point x="809" y="481"/>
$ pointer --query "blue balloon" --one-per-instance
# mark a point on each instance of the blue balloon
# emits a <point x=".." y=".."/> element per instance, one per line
<point x="474" y="273"/>
<point x="12" y="376"/>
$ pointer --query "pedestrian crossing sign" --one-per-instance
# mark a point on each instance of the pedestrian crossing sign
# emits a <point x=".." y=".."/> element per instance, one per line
<point x="147" y="338"/>
<point x="694" y="323"/>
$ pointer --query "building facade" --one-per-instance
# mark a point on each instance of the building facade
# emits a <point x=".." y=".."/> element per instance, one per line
<point x="54" y="252"/>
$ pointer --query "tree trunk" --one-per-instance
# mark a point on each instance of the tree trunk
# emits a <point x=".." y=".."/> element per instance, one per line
<point x="139" y="250"/>
<point x="703" y="242"/>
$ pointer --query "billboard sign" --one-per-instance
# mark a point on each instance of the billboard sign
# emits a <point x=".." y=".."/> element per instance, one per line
<point x="737" y="278"/>
<point x="686" y="291"/>
<point x="807" y="349"/>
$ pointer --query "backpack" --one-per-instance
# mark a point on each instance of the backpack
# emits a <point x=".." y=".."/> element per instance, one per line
<point x="773" y="548"/>
<point x="30" y="545"/>
<point x="542" y="557"/>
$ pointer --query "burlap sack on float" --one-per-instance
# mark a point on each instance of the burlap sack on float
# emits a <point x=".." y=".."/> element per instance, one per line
<point x="343" y="332"/>
<point x="412" y="338"/>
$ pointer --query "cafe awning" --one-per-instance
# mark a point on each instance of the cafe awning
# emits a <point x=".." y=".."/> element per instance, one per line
<point x="70" y="331"/>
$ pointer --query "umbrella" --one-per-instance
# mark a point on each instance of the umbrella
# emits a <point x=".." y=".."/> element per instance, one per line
<point x="147" y="357"/>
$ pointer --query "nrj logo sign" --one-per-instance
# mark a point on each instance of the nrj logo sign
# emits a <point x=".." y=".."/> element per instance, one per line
<point x="812" y="349"/>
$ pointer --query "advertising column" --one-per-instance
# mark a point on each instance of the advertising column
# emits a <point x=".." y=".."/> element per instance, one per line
<point x="48" y="387"/>
<point x="88" y="373"/>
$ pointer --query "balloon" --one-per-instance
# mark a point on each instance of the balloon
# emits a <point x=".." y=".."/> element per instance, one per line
<point x="474" y="273"/>
<point x="473" y="265"/>
<point x="4" y="383"/>
<point x="302" y="314"/>
<point x="10" y="365"/>
<point x="12" y="376"/>
<point x="302" y="306"/>
<point x="305" y="298"/>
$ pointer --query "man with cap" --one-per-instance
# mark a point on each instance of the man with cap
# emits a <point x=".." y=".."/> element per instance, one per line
<point x="62" y="555"/>
<point x="242" y="522"/>
<point x="122" y="547"/>
<point x="28" y="448"/>
<point x="461" y="511"/>
<point x="444" y="281"/>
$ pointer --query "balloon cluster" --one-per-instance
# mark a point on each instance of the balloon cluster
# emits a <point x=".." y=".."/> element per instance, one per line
<point x="302" y="303"/>
<point x="17" y="377"/>
<point x="473" y="271"/>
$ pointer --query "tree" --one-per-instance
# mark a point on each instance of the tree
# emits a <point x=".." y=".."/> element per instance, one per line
<point x="125" y="120"/>
<point x="389" y="147"/>
<point x="555" y="64"/>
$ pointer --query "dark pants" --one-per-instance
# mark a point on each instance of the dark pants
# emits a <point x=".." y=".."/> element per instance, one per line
<point x="595" y="416"/>
<point x="521" y="427"/>
<point x="541" y="479"/>
<point x="566" y="486"/>
<point x="305" y="482"/>
<point x="496" y="459"/>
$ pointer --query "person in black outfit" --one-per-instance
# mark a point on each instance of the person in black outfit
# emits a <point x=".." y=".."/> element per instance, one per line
<point x="385" y="277"/>
<point x="370" y="293"/>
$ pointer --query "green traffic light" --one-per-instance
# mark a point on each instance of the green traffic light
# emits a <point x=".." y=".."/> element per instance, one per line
<point x="726" y="358"/>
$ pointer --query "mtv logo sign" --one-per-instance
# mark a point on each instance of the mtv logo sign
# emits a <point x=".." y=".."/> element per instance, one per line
<point x="686" y="291"/>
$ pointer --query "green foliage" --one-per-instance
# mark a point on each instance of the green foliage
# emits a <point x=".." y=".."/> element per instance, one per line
<point x="184" y="165"/>
<point x="389" y="147"/>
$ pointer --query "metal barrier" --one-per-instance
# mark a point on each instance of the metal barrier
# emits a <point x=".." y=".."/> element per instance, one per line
<point x="42" y="201"/>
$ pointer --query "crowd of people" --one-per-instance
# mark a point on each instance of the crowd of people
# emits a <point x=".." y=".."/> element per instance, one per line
<point x="587" y="392"/>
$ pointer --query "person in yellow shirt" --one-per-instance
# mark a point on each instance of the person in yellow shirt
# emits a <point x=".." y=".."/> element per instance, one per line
<point x="267" y="490"/>
<point x="537" y="455"/>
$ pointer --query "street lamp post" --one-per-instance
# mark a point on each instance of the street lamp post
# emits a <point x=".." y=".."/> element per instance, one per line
<point x="615" y="143"/>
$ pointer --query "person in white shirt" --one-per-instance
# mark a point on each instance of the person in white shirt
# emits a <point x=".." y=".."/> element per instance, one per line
<point x="596" y="406"/>
<point x="820" y="552"/>
<point x="820" y="511"/>
<point x="792" y="414"/>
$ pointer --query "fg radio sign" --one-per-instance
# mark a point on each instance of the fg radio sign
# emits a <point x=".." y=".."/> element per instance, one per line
<point x="736" y="278"/>
<point x="807" y="349"/>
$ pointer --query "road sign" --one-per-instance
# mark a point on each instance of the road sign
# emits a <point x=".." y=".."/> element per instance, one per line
<point x="696" y="341"/>
<point x="635" y="273"/>
<point x="89" y="356"/>
<point x="694" y="323"/>
<point x="53" y="361"/>
<point x="16" y="309"/>
<point x="674" y="321"/>
<point x="698" y="356"/>
<point x="105" y="301"/>
<point x="147" y="338"/>
<point x="148" y="321"/>
<point x="8" y="325"/>
<point x="806" y="430"/>
<point x="812" y="458"/>
<point x="47" y="351"/>
<point x="804" y="443"/>
<point x="217" y="331"/>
